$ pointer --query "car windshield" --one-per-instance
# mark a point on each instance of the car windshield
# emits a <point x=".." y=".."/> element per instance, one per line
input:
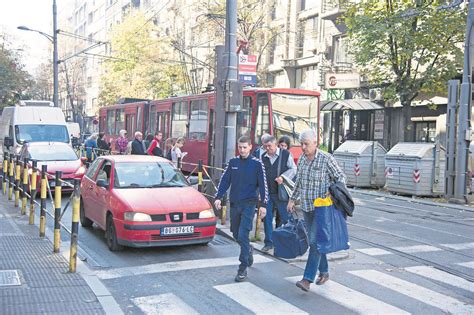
<point x="293" y="114"/>
<point x="40" y="133"/>
<point x="53" y="153"/>
<point x="148" y="175"/>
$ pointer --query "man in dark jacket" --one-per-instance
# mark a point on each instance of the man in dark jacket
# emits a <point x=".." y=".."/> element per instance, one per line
<point x="138" y="147"/>
<point x="104" y="147"/>
<point x="245" y="176"/>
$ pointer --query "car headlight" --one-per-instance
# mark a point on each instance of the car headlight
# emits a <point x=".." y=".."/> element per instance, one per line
<point x="137" y="217"/>
<point x="206" y="214"/>
<point x="81" y="170"/>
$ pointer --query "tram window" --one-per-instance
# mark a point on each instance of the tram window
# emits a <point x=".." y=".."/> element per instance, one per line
<point x="139" y="119"/>
<point x="198" y="120"/>
<point x="244" y="118"/>
<point x="263" y="120"/>
<point x="110" y="122"/>
<point x="153" y="125"/>
<point x="119" y="120"/>
<point x="162" y="123"/>
<point x="179" y="119"/>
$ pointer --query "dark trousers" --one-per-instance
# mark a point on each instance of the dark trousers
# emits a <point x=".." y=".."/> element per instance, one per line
<point x="241" y="221"/>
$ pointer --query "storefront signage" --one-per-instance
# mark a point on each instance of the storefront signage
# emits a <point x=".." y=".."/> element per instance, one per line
<point x="349" y="80"/>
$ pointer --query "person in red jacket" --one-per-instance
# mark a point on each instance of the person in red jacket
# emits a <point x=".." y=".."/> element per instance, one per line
<point x="154" y="148"/>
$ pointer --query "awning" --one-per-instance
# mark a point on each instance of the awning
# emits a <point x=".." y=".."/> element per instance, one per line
<point x="352" y="104"/>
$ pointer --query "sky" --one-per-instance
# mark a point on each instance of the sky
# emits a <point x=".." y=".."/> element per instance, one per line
<point x="35" y="14"/>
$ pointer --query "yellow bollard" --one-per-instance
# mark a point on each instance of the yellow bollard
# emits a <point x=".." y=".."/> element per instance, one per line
<point x="76" y="205"/>
<point x="5" y="172"/>
<point x="25" y="186"/>
<point x="224" y="211"/>
<point x="57" y="211"/>
<point x="200" y="187"/>
<point x="42" y="227"/>
<point x="33" y="193"/>
<point x="10" y="178"/>
<point x="17" y="181"/>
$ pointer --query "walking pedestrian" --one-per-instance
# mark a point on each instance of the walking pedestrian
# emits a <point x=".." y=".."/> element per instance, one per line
<point x="169" y="144"/>
<point x="261" y="150"/>
<point x="277" y="162"/>
<point x="138" y="147"/>
<point x="284" y="142"/>
<point x="104" y="147"/>
<point x="122" y="142"/>
<point x="316" y="171"/>
<point x="176" y="151"/>
<point x="245" y="176"/>
<point x="91" y="145"/>
<point x="148" y="140"/>
<point x="154" y="148"/>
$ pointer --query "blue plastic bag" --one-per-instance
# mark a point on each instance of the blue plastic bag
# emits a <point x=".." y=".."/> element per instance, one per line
<point x="331" y="227"/>
<point x="290" y="239"/>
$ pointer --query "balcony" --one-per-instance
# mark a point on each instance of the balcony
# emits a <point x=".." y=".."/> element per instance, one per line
<point x="332" y="9"/>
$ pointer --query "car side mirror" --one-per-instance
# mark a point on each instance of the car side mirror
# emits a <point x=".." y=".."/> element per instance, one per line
<point x="8" y="142"/>
<point x="102" y="183"/>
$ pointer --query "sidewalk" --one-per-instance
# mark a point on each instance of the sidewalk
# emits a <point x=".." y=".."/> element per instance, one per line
<point x="33" y="279"/>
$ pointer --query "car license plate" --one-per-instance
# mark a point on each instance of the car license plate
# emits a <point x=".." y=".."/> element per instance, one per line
<point x="177" y="230"/>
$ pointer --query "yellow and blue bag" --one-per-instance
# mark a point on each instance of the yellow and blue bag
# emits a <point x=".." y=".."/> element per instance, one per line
<point x="331" y="227"/>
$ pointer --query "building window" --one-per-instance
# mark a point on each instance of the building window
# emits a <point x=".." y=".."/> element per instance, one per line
<point x="198" y="120"/>
<point x="341" y="51"/>
<point x="425" y="131"/>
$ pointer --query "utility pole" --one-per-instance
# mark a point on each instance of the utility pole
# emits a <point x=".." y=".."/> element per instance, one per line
<point x="55" y="56"/>
<point x="464" y="117"/>
<point x="228" y="90"/>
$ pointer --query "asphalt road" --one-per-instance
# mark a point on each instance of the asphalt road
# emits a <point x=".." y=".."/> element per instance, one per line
<point x="405" y="257"/>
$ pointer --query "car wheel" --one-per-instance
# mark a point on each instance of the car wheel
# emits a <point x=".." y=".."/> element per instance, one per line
<point x="111" y="235"/>
<point x="85" y="221"/>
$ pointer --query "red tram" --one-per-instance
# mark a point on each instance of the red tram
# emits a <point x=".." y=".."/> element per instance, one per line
<point x="265" y="110"/>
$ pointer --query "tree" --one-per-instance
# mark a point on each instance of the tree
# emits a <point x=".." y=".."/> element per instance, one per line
<point x="13" y="78"/>
<point x="410" y="47"/>
<point x="138" y="67"/>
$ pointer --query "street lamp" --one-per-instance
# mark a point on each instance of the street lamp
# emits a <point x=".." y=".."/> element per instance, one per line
<point x="53" y="39"/>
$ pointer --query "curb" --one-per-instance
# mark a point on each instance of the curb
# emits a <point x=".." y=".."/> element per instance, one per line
<point x="412" y="199"/>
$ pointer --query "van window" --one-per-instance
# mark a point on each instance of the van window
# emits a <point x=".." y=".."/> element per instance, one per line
<point x="37" y="133"/>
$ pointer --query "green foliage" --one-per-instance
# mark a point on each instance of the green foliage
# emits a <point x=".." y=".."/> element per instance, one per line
<point x="139" y="67"/>
<point x="410" y="47"/>
<point x="13" y="79"/>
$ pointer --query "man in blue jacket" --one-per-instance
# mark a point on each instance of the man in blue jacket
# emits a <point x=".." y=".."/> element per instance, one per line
<point x="245" y="175"/>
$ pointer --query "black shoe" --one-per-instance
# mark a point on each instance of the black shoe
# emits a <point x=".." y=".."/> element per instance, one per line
<point x="241" y="276"/>
<point x="267" y="248"/>
<point x="251" y="256"/>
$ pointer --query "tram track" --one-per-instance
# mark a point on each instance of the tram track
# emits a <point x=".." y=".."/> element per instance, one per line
<point x="413" y="257"/>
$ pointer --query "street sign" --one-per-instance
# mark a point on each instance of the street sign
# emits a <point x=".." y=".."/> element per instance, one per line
<point x="350" y="80"/>
<point x="248" y="69"/>
<point x="388" y="172"/>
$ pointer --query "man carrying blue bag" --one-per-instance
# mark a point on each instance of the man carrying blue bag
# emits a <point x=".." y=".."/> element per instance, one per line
<point x="317" y="170"/>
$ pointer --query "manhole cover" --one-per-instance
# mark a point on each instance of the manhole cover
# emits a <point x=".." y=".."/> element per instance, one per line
<point x="9" y="277"/>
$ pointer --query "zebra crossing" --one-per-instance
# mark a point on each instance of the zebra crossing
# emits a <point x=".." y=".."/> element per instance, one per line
<point x="257" y="298"/>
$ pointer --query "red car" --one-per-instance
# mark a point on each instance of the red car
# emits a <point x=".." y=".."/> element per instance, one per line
<point x="143" y="201"/>
<point x="58" y="156"/>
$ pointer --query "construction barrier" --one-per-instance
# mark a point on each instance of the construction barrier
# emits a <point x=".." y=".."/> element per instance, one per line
<point x="5" y="172"/>
<point x="42" y="228"/>
<point x="17" y="181"/>
<point x="57" y="211"/>
<point x="24" y="187"/>
<point x="33" y="192"/>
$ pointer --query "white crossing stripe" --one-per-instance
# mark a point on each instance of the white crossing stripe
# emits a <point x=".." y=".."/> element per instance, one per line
<point x="351" y="299"/>
<point x="167" y="303"/>
<point x="374" y="251"/>
<point x="257" y="300"/>
<point x="441" y="276"/>
<point x="460" y="246"/>
<point x="175" y="266"/>
<point x="442" y="301"/>
<point x="469" y="264"/>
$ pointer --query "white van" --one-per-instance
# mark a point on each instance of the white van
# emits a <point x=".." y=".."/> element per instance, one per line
<point x="31" y="121"/>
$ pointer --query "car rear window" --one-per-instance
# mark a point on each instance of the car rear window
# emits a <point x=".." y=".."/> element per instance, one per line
<point x="147" y="175"/>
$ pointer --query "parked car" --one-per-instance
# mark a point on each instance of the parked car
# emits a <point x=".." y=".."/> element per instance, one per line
<point x="143" y="201"/>
<point x="58" y="156"/>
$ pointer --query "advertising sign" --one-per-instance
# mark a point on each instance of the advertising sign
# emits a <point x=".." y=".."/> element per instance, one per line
<point x="349" y="80"/>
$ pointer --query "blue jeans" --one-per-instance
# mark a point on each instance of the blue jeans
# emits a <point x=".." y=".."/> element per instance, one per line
<point x="280" y="206"/>
<point x="316" y="261"/>
<point x="241" y="221"/>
